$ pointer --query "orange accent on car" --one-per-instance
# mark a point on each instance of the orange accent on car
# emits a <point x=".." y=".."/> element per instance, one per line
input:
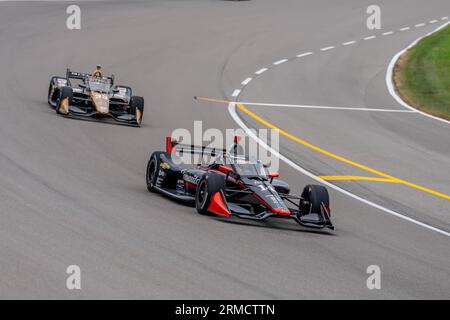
<point x="218" y="205"/>
<point x="281" y="211"/>
<point x="224" y="169"/>
<point x="170" y="145"/>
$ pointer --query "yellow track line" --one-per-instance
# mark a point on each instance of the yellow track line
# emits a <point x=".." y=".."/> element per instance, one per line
<point x="339" y="158"/>
<point x="356" y="178"/>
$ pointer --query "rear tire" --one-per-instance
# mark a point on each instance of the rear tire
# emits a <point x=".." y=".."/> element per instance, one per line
<point x="314" y="196"/>
<point x="152" y="170"/>
<point x="63" y="93"/>
<point x="137" y="108"/>
<point x="207" y="187"/>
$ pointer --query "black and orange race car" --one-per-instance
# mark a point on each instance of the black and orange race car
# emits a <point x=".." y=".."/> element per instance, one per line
<point x="94" y="97"/>
<point x="233" y="185"/>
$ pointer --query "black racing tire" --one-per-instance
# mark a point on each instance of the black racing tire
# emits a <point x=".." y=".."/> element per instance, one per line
<point x="152" y="170"/>
<point x="314" y="196"/>
<point x="49" y="94"/>
<point x="52" y="95"/>
<point x="207" y="187"/>
<point x="137" y="108"/>
<point x="63" y="92"/>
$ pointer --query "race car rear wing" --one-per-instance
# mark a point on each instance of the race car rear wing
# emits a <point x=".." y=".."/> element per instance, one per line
<point x="81" y="76"/>
<point x="173" y="145"/>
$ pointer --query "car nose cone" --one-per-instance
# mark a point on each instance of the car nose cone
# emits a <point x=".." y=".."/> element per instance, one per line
<point x="101" y="103"/>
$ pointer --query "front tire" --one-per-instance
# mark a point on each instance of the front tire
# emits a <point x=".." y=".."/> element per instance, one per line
<point x="51" y="94"/>
<point x="64" y="100"/>
<point x="207" y="187"/>
<point x="137" y="108"/>
<point x="53" y="90"/>
<point x="312" y="198"/>
<point x="152" y="170"/>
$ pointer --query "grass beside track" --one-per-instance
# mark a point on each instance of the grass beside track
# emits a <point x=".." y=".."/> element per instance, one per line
<point x="422" y="74"/>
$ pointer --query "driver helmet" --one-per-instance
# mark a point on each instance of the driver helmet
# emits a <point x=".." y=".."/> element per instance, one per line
<point x="98" y="71"/>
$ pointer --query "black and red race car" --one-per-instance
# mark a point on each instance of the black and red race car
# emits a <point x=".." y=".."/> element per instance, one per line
<point x="233" y="185"/>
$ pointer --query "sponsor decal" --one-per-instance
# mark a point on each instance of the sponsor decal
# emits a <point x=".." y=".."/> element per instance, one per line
<point x="191" y="179"/>
<point x="164" y="165"/>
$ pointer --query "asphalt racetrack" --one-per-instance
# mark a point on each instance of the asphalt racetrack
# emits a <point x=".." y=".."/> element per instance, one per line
<point x="73" y="192"/>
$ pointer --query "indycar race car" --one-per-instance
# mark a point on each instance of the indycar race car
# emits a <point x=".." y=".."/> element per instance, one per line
<point x="94" y="97"/>
<point x="234" y="185"/>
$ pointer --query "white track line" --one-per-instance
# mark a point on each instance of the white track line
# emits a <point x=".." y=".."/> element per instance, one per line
<point x="390" y="80"/>
<point x="304" y="54"/>
<point x="348" y="43"/>
<point x="327" y="48"/>
<point x="419" y="25"/>
<point x="388" y="33"/>
<point x="280" y="62"/>
<point x="246" y="81"/>
<point x="433" y="21"/>
<point x="369" y="38"/>
<point x="236" y="93"/>
<point x="299" y="106"/>
<point x="250" y="133"/>
<point x="261" y="71"/>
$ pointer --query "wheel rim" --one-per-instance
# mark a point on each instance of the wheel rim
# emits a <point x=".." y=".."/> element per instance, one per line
<point x="58" y="100"/>
<point x="152" y="172"/>
<point x="202" y="194"/>
<point x="306" y="198"/>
